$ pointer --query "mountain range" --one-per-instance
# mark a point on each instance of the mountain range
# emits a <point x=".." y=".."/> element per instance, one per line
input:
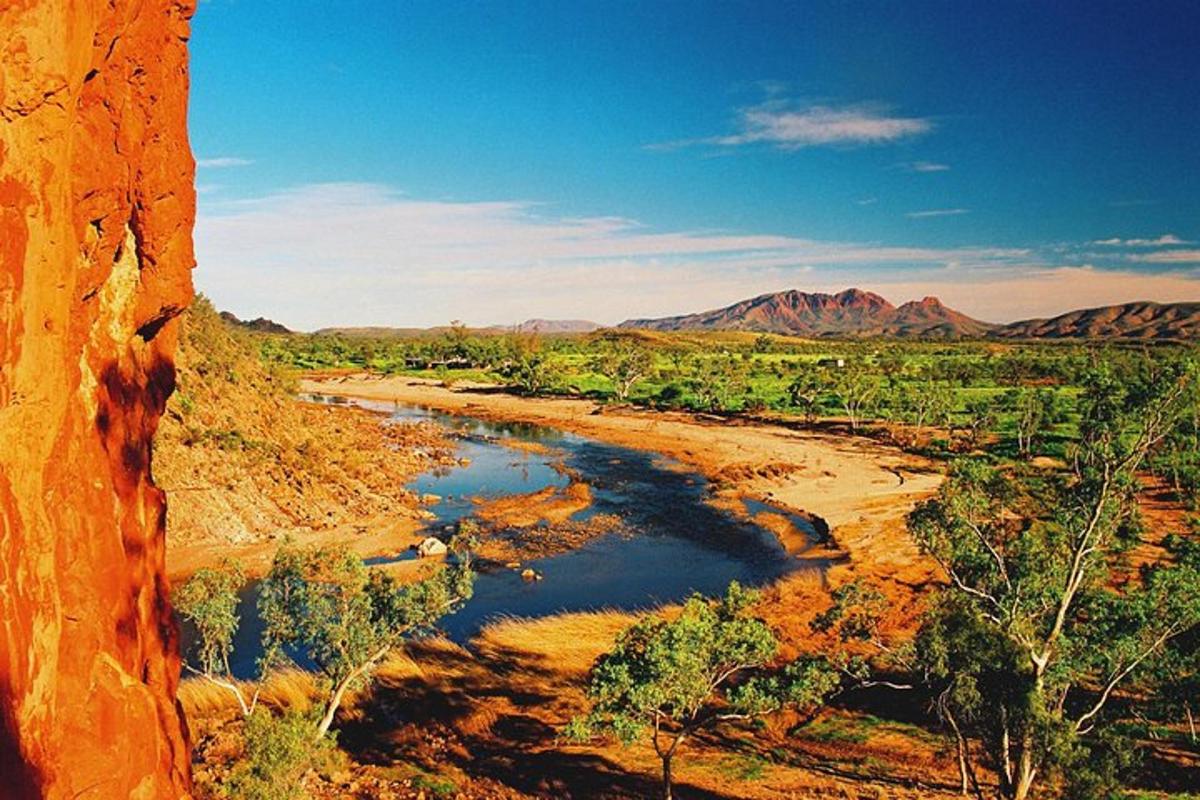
<point x="540" y="326"/>
<point x="858" y="313"/>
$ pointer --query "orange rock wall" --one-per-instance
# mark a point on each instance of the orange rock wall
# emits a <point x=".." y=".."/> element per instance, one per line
<point x="96" y="212"/>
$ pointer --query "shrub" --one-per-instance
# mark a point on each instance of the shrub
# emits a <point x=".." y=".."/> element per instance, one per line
<point x="278" y="751"/>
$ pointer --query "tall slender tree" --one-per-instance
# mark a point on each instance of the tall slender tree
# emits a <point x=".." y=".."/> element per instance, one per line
<point x="1031" y="636"/>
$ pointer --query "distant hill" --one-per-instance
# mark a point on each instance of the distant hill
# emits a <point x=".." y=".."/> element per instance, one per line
<point x="853" y="312"/>
<point x="556" y="326"/>
<point x="528" y="326"/>
<point x="260" y="325"/>
<point x="377" y="332"/>
<point x="1138" y="320"/>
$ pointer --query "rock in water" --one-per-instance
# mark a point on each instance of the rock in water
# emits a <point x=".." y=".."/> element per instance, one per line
<point x="432" y="546"/>
<point x="96" y="212"/>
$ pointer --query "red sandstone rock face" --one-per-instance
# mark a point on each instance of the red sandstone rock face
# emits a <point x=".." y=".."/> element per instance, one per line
<point x="96" y="211"/>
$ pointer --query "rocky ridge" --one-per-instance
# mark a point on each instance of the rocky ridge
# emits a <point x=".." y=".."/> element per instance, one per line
<point x="96" y="212"/>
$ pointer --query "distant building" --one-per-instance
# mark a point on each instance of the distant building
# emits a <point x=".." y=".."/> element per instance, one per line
<point x="457" y="362"/>
<point x="832" y="362"/>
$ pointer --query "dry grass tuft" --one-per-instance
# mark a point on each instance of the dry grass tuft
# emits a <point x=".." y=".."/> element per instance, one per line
<point x="291" y="688"/>
<point x="568" y="643"/>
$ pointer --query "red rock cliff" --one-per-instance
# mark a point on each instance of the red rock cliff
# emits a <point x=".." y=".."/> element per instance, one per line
<point x="96" y="211"/>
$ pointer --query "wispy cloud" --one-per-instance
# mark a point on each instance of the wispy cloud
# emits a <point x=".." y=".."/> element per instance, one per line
<point x="1165" y="239"/>
<point x="923" y="166"/>
<point x="221" y="162"/>
<point x="1168" y="257"/>
<point x="331" y="254"/>
<point x="387" y="258"/>
<point x="938" y="212"/>
<point x="787" y="126"/>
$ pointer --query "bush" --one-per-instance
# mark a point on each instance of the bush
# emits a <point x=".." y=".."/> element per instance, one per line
<point x="278" y="751"/>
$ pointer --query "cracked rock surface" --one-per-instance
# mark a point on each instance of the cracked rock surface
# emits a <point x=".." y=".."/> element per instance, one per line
<point x="96" y="212"/>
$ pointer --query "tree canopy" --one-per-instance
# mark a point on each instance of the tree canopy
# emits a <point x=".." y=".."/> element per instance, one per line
<point x="674" y="676"/>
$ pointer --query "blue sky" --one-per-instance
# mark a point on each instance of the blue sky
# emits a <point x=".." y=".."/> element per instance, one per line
<point x="408" y="163"/>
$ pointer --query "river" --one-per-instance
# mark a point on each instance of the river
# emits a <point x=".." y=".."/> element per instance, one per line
<point x="673" y="542"/>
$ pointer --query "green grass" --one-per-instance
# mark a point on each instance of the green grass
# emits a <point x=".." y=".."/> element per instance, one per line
<point x="743" y="767"/>
<point x="749" y="372"/>
<point x="861" y="729"/>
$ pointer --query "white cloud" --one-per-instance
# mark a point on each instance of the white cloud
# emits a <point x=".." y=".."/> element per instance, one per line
<point x="1169" y="257"/>
<point x="788" y="127"/>
<point x="363" y="254"/>
<point x="221" y="162"/>
<point x="938" y="212"/>
<point x="923" y="166"/>
<point x="1165" y="239"/>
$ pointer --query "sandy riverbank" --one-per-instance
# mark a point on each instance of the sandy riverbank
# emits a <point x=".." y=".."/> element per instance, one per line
<point x="521" y="680"/>
<point x="860" y="488"/>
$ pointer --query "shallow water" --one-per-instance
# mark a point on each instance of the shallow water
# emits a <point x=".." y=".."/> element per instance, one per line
<point x="674" y="542"/>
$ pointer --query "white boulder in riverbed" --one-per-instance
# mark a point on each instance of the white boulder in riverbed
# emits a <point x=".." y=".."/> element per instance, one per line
<point x="432" y="546"/>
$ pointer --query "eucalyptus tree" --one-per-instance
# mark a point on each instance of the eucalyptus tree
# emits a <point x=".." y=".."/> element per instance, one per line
<point x="718" y="380"/>
<point x="346" y="618"/>
<point x="526" y="365"/>
<point x="672" y="677"/>
<point x="979" y="417"/>
<point x="623" y="362"/>
<point x="1033" y="633"/>
<point x="921" y="404"/>
<point x="1034" y="411"/>
<point x="208" y="600"/>
<point x="856" y="389"/>
<point x="808" y="385"/>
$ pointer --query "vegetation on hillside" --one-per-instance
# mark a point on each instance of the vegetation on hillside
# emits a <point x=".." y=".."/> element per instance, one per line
<point x="241" y="460"/>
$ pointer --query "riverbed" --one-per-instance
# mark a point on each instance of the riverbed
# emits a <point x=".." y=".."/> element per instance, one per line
<point x="672" y="540"/>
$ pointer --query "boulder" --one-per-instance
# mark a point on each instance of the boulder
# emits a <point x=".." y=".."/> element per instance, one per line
<point x="432" y="546"/>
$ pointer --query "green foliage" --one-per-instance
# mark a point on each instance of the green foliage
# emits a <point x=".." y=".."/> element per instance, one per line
<point x="979" y="419"/>
<point x="1030" y="640"/>
<point x="971" y="387"/>
<point x="808" y="386"/>
<point x="623" y="362"/>
<point x="1034" y="412"/>
<point x="209" y="600"/>
<point x="278" y="751"/>
<point x="856" y="389"/>
<point x="672" y="677"/>
<point x="921" y="403"/>
<point x="346" y="618"/>
<point x="438" y="787"/>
